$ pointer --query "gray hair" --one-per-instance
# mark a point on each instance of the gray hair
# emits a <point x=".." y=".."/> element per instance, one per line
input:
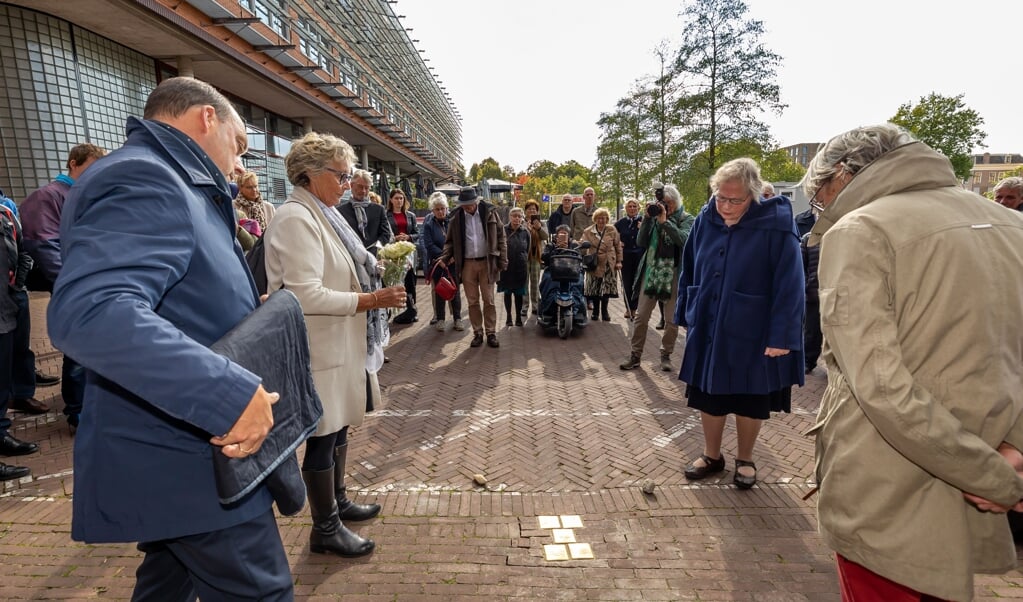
<point x="362" y="174"/>
<point x="516" y="211"/>
<point x="851" y="152"/>
<point x="743" y="170"/>
<point x="311" y="153"/>
<point x="437" y="199"/>
<point x="672" y="193"/>
<point x="176" y="95"/>
<point x="1012" y="183"/>
<point x="768" y="189"/>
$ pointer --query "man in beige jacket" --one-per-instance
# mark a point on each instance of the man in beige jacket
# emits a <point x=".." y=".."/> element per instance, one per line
<point x="921" y="289"/>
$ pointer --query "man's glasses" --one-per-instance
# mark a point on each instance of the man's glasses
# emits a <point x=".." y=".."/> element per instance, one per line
<point x="724" y="199"/>
<point x="342" y="176"/>
<point x="814" y="203"/>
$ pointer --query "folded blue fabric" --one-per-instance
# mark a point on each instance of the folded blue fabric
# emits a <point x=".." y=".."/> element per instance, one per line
<point x="272" y="343"/>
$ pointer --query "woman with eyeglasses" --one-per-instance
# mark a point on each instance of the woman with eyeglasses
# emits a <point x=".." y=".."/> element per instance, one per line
<point x="435" y="232"/>
<point x="740" y="298"/>
<point x="313" y="252"/>
<point x="404" y="228"/>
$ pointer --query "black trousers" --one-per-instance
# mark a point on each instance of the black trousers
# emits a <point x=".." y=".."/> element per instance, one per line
<point x="812" y="337"/>
<point x="243" y="562"/>
<point x="23" y="367"/>
<point x="6" y="353"/>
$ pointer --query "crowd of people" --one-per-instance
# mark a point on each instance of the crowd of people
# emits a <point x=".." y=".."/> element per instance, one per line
<point x="920" y="383"/>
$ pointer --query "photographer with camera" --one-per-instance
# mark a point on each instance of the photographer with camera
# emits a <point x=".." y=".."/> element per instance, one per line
<point x="663" y="234"/>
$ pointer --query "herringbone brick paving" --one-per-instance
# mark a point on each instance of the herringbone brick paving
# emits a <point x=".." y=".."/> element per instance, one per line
<point x="555" y="428"/>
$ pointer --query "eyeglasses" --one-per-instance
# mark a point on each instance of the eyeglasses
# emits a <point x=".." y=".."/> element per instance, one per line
<point x="724" y="199"/>
<point x="814" y="203"/>
<point x="342" y="176"/>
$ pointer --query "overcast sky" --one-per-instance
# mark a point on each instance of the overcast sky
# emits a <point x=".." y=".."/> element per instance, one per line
<point x="531" y="77"/>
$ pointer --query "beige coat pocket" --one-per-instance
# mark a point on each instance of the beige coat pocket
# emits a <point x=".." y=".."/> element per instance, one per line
<point x="835" y="306"/>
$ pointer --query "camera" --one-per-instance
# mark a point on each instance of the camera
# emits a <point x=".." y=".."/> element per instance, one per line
<point x="534" y="218"/>
<point x="659" y="192"/>
<point x="654" y="209"/>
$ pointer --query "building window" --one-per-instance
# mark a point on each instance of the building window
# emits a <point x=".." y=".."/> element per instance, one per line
<point x="279" y="189"/>
<point x="269" y="18"/>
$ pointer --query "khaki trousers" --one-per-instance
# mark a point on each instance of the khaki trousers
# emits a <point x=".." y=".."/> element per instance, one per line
<point x="647" y="304"/>
<point x="533" y="271"/>
<point x="477" y="285"/>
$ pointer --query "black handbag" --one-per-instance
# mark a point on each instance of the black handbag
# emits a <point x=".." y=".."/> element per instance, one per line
<point x="590" y="260"/>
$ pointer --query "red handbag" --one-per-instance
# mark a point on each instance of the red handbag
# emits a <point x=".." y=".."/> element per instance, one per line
<point x="444" y="287"/>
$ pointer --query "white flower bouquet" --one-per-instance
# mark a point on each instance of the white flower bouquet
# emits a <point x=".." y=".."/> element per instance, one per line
<point x="396" y="258"/>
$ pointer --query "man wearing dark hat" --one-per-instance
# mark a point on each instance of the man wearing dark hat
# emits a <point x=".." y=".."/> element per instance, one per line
<point x="476" y="244"/>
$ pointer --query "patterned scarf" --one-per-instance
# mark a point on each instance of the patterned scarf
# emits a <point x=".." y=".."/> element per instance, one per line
<point x="253" y="209"/>
<point x="360" y="214"/>
<point x="378" y="335"/>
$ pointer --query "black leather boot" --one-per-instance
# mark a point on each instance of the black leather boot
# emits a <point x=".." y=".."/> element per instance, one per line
<point x="348" y="510"/>
<point x="329" y="536"/>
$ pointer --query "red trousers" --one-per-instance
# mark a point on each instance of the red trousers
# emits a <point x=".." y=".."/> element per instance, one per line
<point x="860" y="584"/>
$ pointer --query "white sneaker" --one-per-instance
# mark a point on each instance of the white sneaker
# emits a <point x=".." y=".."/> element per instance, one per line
<point x="439" y="325"/>
<point x="459" y="326"/>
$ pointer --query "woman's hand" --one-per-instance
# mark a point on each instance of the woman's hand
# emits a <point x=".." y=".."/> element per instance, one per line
<point x="773" y="352"/>
<point x="402" y="237"/>
<point x="392" y="296"/>
<point x="618" y="266"/>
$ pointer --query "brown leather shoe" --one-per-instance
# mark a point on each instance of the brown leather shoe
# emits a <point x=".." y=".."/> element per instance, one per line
<point x="29" y="405"/>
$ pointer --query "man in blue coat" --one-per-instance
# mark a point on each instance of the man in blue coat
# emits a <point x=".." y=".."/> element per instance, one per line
<point x="151" y="277"/>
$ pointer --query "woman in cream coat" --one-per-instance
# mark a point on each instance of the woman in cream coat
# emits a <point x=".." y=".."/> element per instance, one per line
<point x="313" y="252"/>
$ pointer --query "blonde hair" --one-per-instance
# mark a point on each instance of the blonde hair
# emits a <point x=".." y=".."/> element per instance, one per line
<point x="249" y="175"/>
<point x="375" y="198"/>
<point x="311" y="154"/>
<point x="600" y="212"/>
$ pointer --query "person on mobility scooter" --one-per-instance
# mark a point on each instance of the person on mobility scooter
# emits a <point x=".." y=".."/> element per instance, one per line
<point x="562" y="305"/>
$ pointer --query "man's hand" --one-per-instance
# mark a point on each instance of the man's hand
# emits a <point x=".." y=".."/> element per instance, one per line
<point x="1015" y="458"/>
<point x="775" y="352"/>
<point x="252" y="426"/>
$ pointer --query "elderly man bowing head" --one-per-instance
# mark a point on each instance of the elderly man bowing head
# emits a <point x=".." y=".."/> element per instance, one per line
<point x="477" y="245"/>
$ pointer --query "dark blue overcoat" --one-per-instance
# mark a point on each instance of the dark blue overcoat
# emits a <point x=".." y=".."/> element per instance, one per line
<point x="740" y="292"/>
<point x="152" y="276"/>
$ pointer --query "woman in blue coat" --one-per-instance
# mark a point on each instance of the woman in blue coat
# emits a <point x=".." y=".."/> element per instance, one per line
<point x="435" y="232"/>
<point x="741" y="301"/>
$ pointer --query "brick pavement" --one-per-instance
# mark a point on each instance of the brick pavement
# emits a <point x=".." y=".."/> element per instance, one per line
<point x="557" y="429"/>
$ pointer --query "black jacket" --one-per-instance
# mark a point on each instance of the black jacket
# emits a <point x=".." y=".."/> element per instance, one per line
<point x="378" y="229"/>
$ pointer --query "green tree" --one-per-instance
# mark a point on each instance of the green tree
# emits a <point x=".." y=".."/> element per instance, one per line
<point x="541" y="169"/>
<point x="639" y="139"/>
<point x="563" y="179"/>
<point x="486" y="169"/>
<point x="947" y="125"/>
<point x="728" y="77"/>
